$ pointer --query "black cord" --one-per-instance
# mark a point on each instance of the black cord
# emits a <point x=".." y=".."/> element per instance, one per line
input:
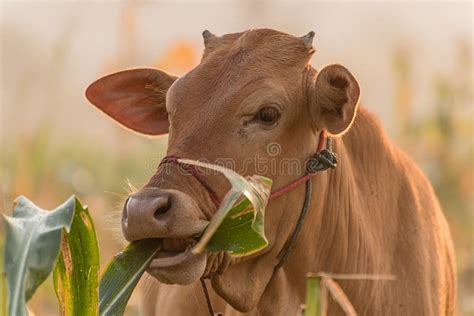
<point x="208" y="299"/>
<point x="304" y="210"/>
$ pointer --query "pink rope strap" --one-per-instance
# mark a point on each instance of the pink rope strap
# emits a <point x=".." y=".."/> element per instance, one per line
<point x="291" y="186"/>
<point x="194" y="171"/>
<point x="303" y="179"/>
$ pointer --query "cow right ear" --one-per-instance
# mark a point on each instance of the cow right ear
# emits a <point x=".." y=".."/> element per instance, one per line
<point x="135" y="98"/>
<point x="335" y="99"/>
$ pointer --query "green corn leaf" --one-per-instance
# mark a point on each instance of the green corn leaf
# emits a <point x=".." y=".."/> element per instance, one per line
<point x="33" y="238"/>
<point x="76" y="271"/>
<point x="237" y="228"/>
<point x="313" y="296"/>
<point x="241" y="232"/>
<point x="123" y="274"/>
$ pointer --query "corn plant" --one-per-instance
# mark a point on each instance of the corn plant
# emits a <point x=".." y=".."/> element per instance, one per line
<point x="64" y="240"/>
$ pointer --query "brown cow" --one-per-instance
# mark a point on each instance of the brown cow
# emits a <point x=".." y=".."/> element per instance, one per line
<point x="376" y="213"/>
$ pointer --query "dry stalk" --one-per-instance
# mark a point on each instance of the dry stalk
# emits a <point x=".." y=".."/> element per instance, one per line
<point x="338" y="294"/>
<point x="328" y="285"/>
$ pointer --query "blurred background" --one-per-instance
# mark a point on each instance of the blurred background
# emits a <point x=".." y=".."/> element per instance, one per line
<point x="413" y="62"/>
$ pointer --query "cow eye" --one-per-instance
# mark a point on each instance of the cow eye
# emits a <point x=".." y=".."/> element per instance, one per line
<point x="268" y="115"/>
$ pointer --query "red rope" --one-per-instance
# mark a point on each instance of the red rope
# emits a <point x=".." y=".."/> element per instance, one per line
<point x="303" y="179"/>
<point x="291" y="186"/>
<point x="194" y="171"/>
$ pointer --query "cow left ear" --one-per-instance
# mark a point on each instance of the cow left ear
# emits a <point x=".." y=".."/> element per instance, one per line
<point x="334" y="99"/>
<point x="135" y="98"/>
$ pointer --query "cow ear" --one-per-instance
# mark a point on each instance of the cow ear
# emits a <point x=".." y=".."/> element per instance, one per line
<point x="335" y="99"/>
<point x="135" y="98"/>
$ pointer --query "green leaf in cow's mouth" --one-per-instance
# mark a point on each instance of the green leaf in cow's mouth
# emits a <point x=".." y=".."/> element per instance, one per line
<point x="240" y="233"/>
<point x="237" y="228"/>
<point x="122" y="275"/>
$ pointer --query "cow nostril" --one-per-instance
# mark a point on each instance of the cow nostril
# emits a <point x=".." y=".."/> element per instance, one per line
<point x="125" y="212"/>
<point x="162" y="205"/>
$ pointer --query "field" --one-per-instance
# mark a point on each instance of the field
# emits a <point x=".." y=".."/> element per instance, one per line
<point x="53" y="144"/>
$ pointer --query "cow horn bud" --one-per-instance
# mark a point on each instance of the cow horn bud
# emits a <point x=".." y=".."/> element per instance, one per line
<point x="206" y="35"/>
<point x="308" y="39"/>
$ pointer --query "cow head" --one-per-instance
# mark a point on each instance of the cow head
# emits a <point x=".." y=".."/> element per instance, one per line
<point x="251" y="91"/>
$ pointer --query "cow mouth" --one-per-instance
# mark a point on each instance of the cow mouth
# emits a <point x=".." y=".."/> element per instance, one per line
<point x="176" y="264"/>
<point x="174" y="252"/>
<point x="169" y="259"/>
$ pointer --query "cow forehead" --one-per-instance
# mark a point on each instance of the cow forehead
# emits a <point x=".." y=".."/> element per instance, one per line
<point x="260" y="49"/>
<point x="265" y="43"/>
<point x="238" y="60"/>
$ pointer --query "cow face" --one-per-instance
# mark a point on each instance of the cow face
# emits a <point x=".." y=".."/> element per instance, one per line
<point x="254" y="103"/>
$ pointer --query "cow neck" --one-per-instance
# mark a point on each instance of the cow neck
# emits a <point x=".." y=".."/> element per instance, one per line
<point x="323" y="159"/>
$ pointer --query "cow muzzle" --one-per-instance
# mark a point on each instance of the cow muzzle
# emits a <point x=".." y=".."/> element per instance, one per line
<point x="174" y="217"/>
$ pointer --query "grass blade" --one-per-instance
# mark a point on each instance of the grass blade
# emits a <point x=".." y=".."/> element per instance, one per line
<point x="123" y="274"/>
<point x="32" y="246"/>
<point x="76" y="271"/>
<point x="313" y="297"/>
